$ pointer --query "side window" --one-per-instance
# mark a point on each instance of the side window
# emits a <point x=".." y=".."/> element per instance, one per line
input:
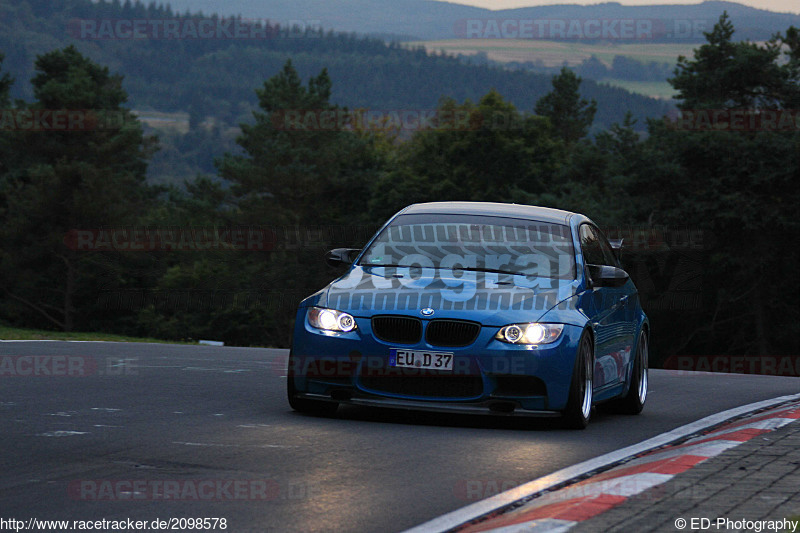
<point x="595" y="247"/>
<point x="608" y="252"/>
<point x="590" y="246"/>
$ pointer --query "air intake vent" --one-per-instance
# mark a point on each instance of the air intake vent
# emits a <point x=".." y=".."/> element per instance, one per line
<point x="429" y="385"/>
<point x="452" y="332"/>
<point x="399" y="329"/>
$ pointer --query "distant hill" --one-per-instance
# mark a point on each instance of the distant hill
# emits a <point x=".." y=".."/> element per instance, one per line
<point x="430" y="20"/>
<point x="213" y="81"/>
<point x="217" y="77"/>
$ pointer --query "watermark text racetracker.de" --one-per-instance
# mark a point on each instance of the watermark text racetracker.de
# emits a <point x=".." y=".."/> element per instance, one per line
<point x="581" y="29"/>
<point x="71" y="366"/>
<point x="190" y="490"/>
<point x="64" y="120"/>
<point x="325" y="236"/>
<point x="173" y="300"/>
<point x="191" y="28"/>
<point x="253" y="238"/>
<point x="170" y="239"/>
<point x="770" y="365"/>
<point x="736" y="120"/>
<point x="665" y="263"/>
<point x="642" y="489"/>
<point x="299" y="120"/>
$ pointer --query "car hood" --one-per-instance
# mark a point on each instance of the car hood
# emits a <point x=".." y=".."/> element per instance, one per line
<point x="489" y="298"/>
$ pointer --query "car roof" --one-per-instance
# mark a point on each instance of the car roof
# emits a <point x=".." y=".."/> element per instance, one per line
<point x="532" y="212"/>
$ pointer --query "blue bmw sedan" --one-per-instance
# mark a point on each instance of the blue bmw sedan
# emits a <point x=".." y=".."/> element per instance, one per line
<point x="475" y="307"/>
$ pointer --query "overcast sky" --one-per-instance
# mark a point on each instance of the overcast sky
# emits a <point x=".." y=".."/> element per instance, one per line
<point x="784" y="6"/>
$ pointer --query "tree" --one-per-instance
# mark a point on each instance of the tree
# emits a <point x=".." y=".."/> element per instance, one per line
<point x="486" y="152"/>
<point x="738" y="192"/>
<point x="594" y="172"/>
<point x="303" y="164"/>
<point x="86" y="177"/>
<point x="791" y="90"/>
<point x="738" y="189"/>
<point x="5" y="85"/>
<point x="724" y="74"/>
<point x="570" y="115"/>
<point x="305" y="172"/>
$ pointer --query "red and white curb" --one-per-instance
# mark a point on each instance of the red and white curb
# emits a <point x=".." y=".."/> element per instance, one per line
<point x="644" y="465"/>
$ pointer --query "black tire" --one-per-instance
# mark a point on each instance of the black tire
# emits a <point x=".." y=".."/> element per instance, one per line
<point x="579" y="404"/>
<point x="633" y="402"/>
<point x="304" y="405"/>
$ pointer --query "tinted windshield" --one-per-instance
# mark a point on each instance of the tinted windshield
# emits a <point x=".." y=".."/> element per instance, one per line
<point x="475" y="242"/>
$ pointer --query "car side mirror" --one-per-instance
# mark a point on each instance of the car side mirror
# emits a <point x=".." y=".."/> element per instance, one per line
<point x="341" y="256"/>
<point x="616" y="247"/>
<point x="607" y="276"/>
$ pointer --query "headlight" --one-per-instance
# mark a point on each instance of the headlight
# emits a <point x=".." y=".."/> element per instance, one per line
<point x="532" y="333"/>
<point x="331" y="320"/>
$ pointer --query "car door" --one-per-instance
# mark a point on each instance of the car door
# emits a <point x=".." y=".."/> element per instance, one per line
<point x="607" y="312"/>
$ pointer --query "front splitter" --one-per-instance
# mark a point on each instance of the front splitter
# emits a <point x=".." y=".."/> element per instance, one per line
<point x="483" y="408"/>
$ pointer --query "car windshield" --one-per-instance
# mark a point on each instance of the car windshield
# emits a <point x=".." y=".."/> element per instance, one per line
<point x="475" y="243"/>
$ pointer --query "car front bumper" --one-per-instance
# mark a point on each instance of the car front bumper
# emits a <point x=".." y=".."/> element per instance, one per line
<point x="488" y="376"/>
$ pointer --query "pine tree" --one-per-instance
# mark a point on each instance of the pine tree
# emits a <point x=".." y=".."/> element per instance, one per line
<point x="570" y="115"/>
<point x="303" y="163"/>
<point x="85" y="177"/>
<point x="725" y="74"/>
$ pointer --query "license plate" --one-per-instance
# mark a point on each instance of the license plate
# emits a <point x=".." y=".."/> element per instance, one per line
<point x="420" y="359"/>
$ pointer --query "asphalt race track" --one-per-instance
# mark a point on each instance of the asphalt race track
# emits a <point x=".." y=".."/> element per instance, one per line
<point x="208" y="433"/>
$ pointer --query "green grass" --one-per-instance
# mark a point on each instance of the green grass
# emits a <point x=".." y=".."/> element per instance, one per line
<point x="8" y="333"/>
<point x="164" y="121"/>
<point x="555" y="53"/>
<point x="654" y="89"/>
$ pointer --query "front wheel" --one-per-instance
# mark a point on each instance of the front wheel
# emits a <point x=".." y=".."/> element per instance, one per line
<point x="579" y="403"/>
<point x="633" y="402"/>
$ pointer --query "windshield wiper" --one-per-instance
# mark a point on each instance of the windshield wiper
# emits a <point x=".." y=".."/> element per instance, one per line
<point x="470" y="269"/>
<point x="379" y="265"/>
<point x="491" y="270"/>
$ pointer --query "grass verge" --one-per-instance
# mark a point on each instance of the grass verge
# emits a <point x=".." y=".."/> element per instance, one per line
<point x="9" y="333"/>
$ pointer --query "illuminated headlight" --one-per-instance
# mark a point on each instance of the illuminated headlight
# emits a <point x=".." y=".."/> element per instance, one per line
<point x="331" y="320"/>
<point x="530" y="333"/>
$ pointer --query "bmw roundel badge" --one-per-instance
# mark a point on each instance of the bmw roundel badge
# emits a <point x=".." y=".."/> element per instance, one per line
<point x="427" y="311"/>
